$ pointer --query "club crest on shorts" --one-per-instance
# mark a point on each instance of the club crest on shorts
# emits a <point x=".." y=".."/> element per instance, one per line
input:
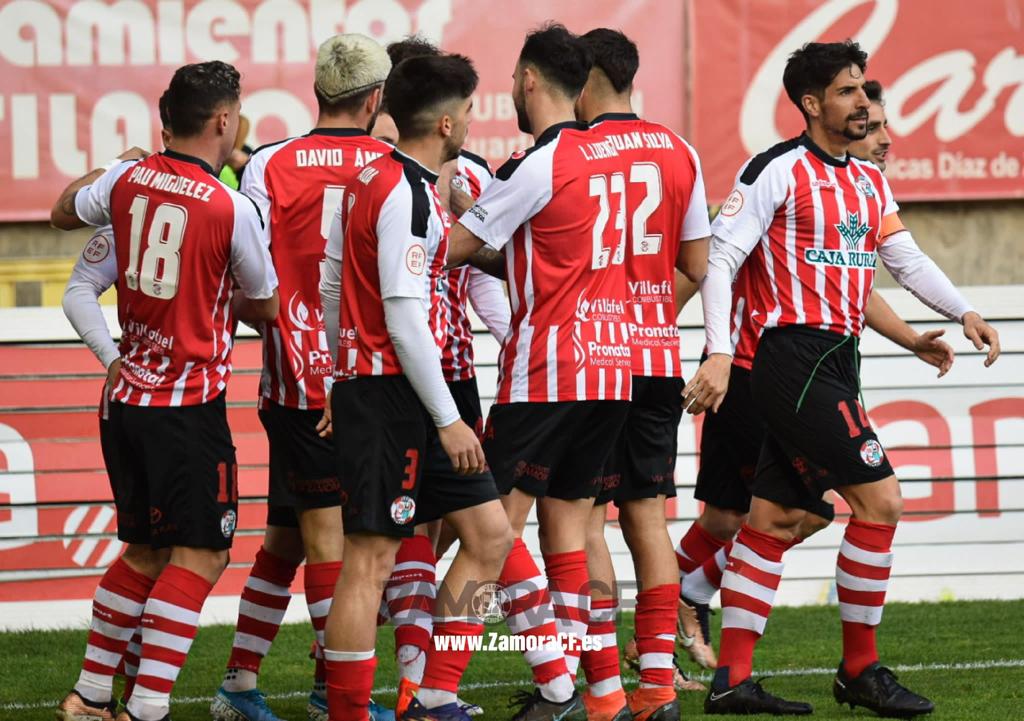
<point x="403" y="509"/>
<point x="871" y="453"/>
<point x="228" y="522"/>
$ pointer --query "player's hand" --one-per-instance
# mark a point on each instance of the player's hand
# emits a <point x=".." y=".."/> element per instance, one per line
<point x="113" y="373"/>
<point x="981" y="334"/>
<point x="707" y="388"/>
<point x="463" y="448"/>
<point x="933" y="351"/>
<point x="324" y="427"/>
<point x="133" y="153"/>
<point x="458" y="199"/>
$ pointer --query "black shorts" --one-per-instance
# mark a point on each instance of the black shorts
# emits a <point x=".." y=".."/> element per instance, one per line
<point x="302" y="468"/>
<point x="828" y="443"/>
<point x="552" y="449"/>
<point x="173" y="474"/>
<point x="730" y="445"/>
<point x="394" y="473"/>
<point x="643" y="462"/>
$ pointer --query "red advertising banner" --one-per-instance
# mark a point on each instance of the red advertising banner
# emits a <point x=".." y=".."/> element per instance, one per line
<point x="79" y="79"/>
<point x="953" y="75"/>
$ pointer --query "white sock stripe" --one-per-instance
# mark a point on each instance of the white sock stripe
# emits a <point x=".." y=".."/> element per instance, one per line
<point x="261" y="613"/>
<point x="750" y="556"/>
<point x="868" y="558"/>
<point x="697" y="588"/>
<point x="159" y="669"/>
<point x="319" y="609"/>
<point x="146" y="704"/>
<point x="348" y="655"/>
<point x="607" y="639"/>
<point x="733" y="617"/>
<point x="530" y="619"/>
<point x="264" y="586"/>
<point x="538" y="656"/>
<point x="741" y="584"/>
<point x="526" y="587"/>
<point x="96" y="682"/>
<point x="455" y="619"/>
<point x="413" y="588"/>
<point x="666" y="637"/>
<point x="413" y="617"/>
<point x="602" y="615"/>
<point x="116" y="602"/>
<point x="413" y="566"/>
<point x="606" y="686"/>
<point x="571" y="600"/>
<point x="655" y="660"/>
<point x="854" y="613"/>
<point x="162" y="609"/>
<point x="857" y="583"/>
<point x="252" y="643"/>
<point x="572" y="662"/>
<point x="168" y="640"/>
<point x="105" y="628"/>
<point x="102" y="656"/>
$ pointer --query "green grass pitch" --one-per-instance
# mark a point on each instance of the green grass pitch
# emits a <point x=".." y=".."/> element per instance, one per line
<point x="969" y="658"/>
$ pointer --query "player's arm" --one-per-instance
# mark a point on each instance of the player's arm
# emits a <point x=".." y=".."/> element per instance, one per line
<point x="402" y="292"/>
<point x="883" y="319"/>
<point x="685" y="289"/>
<point x="64" y="214"/>
<point x="251" y="266"/>
<point x="94" y="272"/>
<point x="695" y="235"/>
<point x="919" y="274"/>
<point x="490" y="303"/>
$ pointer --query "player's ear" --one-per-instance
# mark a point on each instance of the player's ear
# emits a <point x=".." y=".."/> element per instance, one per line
<point x="811" y="105"/>
<point x="444" y="125"/>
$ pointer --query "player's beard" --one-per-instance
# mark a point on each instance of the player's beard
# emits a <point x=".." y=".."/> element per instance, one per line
<point x="519" y="101"/>
<point x="452" y="148"/>
<point x="373" y="121"/>
<point x="851" y="134"/>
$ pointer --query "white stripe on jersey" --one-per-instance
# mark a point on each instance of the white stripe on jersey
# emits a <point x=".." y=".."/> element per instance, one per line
<point x="179" y="385"/>
<point x="648" y="361"/>
<point x="600" y="384"/>
<point x="275" y="333"/>
<point x="521" y="366"/>
<point x="844" y="274"/>
<point x="145" y="399"/>
<point x="619" y="376"/>
<point x="669" y="363"/>
<point x="300" y="386"/>
<point x="552" y="363"/>
<point x="376" y="363"/>
<point x="819" y="235"/>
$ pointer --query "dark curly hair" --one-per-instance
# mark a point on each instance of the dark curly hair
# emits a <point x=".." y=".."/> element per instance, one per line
<point x="873" y="89"/>
<point x="195" y="93"/>
<point x="615" y="54"/>
<point x="812" y="68"/>
<point x="560" y="56"/>
<point x="417" y="87"/>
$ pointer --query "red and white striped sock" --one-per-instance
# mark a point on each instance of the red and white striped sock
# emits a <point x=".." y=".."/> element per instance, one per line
<point x="749" y="583"/>
<point x="260" y="613"/>
<point x="602" y="666"/>
<point x="656" y="634"/>
<point x="695" y="547"/>
<point x="445" y="667"/>
<point x="530" y="614"/>
<point x="130" y="666"/>
<point x="701" y="585"/>
<point x="117" y="608"/>
<point x="410" y="594"/>
<point x="570" y="596"/>
<point x="318" y="581"/>
<point x="168" y="626"/>
<point x="349" y="683"/>
<point x="862" y="578"/>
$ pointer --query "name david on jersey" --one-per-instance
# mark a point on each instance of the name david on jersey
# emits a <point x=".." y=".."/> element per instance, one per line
<point x="331" y="157"/>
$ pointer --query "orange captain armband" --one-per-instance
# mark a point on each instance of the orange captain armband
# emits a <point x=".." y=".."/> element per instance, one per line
<point x="891" y="224"/>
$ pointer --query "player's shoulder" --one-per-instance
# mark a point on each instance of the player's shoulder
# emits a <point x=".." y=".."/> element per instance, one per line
<point x="777" y="156"/>
<point x="542" y="150"/>
<point x="474" y="161"/>
<point x="245" y="208"/>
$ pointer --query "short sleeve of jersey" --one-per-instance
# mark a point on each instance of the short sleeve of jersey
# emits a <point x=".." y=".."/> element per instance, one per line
<point x="517" y="194"/>
<point x="748" y="211"/>
<point x="401" y="255"/>
<point x="696" y="224"/>
<point x="889" y="205"/>
<point x="251" y="265"/>
<point x="254" y="184"/>
<point x="92" y="203"/>
<point x="97" y="264"/>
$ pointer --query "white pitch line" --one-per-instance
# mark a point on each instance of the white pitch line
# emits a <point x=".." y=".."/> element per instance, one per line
<point x="966" y="666"/>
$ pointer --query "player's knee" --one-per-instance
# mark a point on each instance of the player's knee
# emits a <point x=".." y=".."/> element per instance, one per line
<point x="491" y="547"/>
<point x="722" y="523"/>
<point x="147" y="561"/>
<point x="890" y="509"/>
<point x="811" y="524"/>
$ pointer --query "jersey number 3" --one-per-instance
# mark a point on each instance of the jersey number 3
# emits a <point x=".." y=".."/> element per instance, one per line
<point x="649" y="176"/>
<point x="161" y="262"/>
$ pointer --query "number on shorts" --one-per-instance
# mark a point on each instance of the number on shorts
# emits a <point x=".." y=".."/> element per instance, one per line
<point x="409" y="482"/>
<point x="226" y="494"/>
<point x="161" y="260"/>
<point x="851" y="424"/>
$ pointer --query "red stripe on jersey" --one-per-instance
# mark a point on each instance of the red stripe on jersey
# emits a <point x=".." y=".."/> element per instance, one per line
<point x="305" y="180"/>
<point x="173" y="224"/>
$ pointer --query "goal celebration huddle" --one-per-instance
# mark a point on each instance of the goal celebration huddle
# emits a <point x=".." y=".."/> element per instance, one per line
<point x="358" y="250"/>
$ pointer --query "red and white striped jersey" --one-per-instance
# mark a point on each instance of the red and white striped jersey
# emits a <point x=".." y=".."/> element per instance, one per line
<point x="298" y="184"/>
<point x="395" y="246"/>
<point x="182" y="240"/>
<point x="665" y="205"/>
<point x="819" y="220"/>
<point x="551" y="209"/>
<point x="457" y="354"/>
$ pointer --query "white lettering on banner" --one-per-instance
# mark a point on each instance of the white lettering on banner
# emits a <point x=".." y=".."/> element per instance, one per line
<point x="95" y="32"/>
<point x="951" y="74"/>
<point x="17" y="485"/>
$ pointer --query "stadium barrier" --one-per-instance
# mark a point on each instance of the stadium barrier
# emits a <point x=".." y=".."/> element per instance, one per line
<point x="956" y="443"/>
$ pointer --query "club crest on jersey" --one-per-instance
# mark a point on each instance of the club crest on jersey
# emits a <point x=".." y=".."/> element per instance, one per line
<point x="871" y="453"/>
<point x="403" y="509"/>
<point x="864" y="186"/>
